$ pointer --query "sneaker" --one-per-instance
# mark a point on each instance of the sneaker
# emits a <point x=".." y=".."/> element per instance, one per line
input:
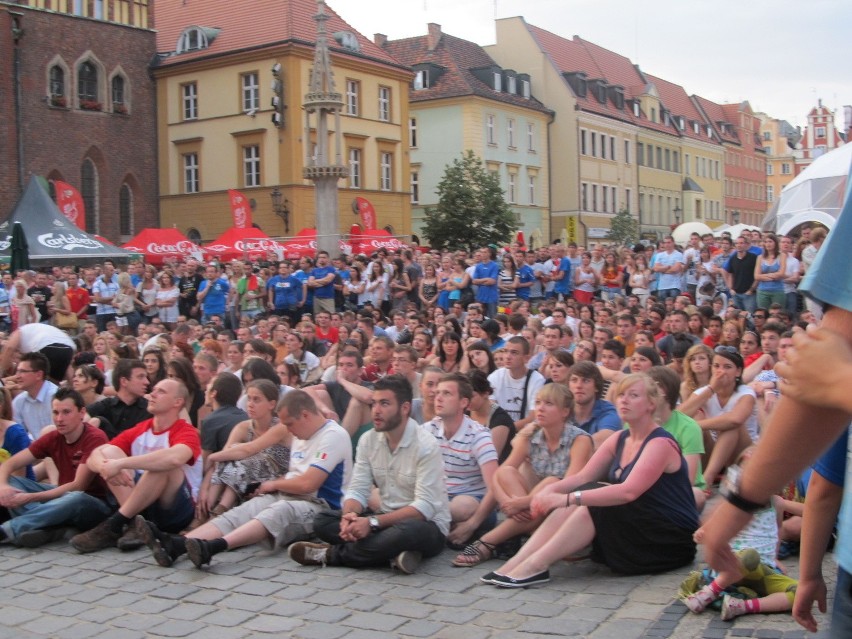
<point x="407" y="561"/>
<point x="198" y="551"/>
<point x="698" y="601"/>
<point x="40" y="536"/>
<point x="504" y="581"/>
<point x="309" y="554"/>
<point x="732" y="607"/>
<point x="130" y="540"/>
<point x="159" y="543"/>
<point x="98" y="538"/>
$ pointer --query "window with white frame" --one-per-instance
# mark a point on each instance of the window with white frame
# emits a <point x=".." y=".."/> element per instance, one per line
<point x="354" y="168"/>
<point x="498" y="81"/>
<point x="594" y="144"/>
<point x="785" y="168"/>
<point x="251" y="165"/>
<point x="250" y="92"/>
<point x="770" y="193"/>
<point x="511" y="84"/>
<point x="768" y="168"/>
<point x="414" y="186"/>
<point x="531" y="188"/>
<point x="627" y="200"/>
<point x="613" y="202"/>
<point x="489" y="129"/>
<point x="190" y="173"/>
<point x="386" y="171"/>
<point x="352" y="91"/>
<point x="594" y="197"/>
<point x="584" y="196"/>
<point x="530" y="136"/>
<point x="612" y="148"/>
<point x="627" y="151"/>
<point x="510" y="192"/>
<point x="412" y="132"/>
<point x="190" y="101"/>
<point x="820" y="131"/>
<point x="604" y="199"/>
<point x="603" y="146"/>
<point x="510" y="133"/>
<point x="583" y="148"/>
<point x="384" y="104"/>
<point x="525" y="87"/>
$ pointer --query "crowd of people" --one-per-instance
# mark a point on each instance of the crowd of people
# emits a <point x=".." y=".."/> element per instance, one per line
<point x="529" y="405"/>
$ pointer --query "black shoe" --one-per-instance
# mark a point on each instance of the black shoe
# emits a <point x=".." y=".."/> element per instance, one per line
<point x="158" y="542"/>
<point x="510" y="582"/>
<point x="40" y="536"/>
<point x="198" y="551"/>
<point x="489" y="577"/>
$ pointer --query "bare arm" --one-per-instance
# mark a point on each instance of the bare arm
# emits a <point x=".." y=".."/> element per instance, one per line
<point x="277" y="434"/>
<point x="733" y="418"/>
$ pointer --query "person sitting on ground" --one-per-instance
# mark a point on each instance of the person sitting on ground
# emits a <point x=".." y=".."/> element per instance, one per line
<point x="640" y="522"/>
<point x="128" y="406"/>
<point x="548" y="449"/>
<point x="258" y="449"/>
<point x="413" y="514"/>
<point x="592" y="414"/>
<point x="487" y="412"/>
<point x="154" y="467"/>
<point x="515" y="386"/>
<point x="470" y="460"/>
<point x="40" y="512"/>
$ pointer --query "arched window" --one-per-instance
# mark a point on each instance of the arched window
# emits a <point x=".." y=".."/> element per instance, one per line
<point x="87" y="83"/>
<point x="125" y="210"/>
<point x="119" y="104"/>
<point x="89" y="191"/>
<point x="194" y="235"/>
<point x="57" y="81"/>
<point x="191" y="39"/>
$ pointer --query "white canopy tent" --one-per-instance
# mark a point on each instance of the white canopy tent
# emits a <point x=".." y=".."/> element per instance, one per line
<point x="816" y="194"/>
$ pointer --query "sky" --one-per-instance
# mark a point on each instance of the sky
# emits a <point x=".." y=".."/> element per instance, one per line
<point x="780" y="55"/>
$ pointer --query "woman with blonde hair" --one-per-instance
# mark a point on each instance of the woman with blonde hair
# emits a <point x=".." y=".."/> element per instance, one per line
<point x="696" y="370"/>
<point x="60" y="308"/>
<point x="23" y="308"/>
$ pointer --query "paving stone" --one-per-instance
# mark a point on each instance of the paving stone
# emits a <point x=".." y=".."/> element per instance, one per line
<point x="455" y="615"/>
<point x="174" y="591"/>
<point x="714" y="633"/>
<point x="98" y="614"/>
<point x="548" y="627"/>
<point x="619" y="629"/>
<point x="244" y="602"/>
<point x="272" y="624"/>
<point x="206" y="596"/>
<point x="190" y="612"/>
<point x="364" y="604"/>
<point x="46" y="624"/>
<point x="496" y="605"/>
<point x="419" y="628"/>
<point x="83" y="630"/>
<point x="150" y="605"/>
<point x="450" y="600"/>
<point x="499" y="620"/>
<point x="326" y="614"/>
<point x="68" y="608"/>
<point x="229" y="617"/>
<point x="289" y="608"/>
<point x="320" y="631"/>
<point x="765" y="633"/>
<point x="741" y="632"/>
<point x="468" y="632"/>
<point x="260" y="588"/>
<point x="373" y="621"/>
<point x="410" y="609"/>
<point x="17" y="616"/>
<point x="176" y="628"/>
<point x="221" y="633"/>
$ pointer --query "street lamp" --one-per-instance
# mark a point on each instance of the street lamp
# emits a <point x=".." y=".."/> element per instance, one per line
<point x="677" y="212"/>
<point x="281" y="209"/>
<point x="735" y="217"/>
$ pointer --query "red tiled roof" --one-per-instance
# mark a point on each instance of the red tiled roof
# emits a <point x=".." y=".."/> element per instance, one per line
<point x="674" y="98"/>
<point x="457" y="57"/>
<point x="249" y="25"/>
<point x="715" y="113"/>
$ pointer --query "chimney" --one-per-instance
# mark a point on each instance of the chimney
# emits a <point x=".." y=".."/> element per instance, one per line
<point x="434" y="36"/>
<point x="380" y="39"/>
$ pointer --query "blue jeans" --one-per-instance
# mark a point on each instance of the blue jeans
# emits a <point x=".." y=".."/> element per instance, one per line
<point x="77" y="509"/>
<point x="744" y="302"/>
<point x="841" y="612"/>
<point x="665" y="293"/>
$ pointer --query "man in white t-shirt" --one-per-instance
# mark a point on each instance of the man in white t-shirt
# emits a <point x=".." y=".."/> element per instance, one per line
<point x="668" y="265"/>
<point x="283" y="509"/>
<point x="515" y="386"/>
<point x="793" y="276"/>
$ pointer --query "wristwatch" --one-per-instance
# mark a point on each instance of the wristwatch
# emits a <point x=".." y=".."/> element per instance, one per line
<point x="374" y="524"/>
<point x="730" y="490"/>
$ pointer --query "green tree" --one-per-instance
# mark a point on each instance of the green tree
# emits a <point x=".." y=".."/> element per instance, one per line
<point x="471" y="209"/>
<point x="623" y="228"/>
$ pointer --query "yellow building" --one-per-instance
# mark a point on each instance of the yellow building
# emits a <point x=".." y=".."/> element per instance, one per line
<point x="218" y="128"/>
<point x="779" y="143"/>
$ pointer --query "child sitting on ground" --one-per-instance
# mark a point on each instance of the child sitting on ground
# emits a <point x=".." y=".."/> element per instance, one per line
<point x="760" y="575"/>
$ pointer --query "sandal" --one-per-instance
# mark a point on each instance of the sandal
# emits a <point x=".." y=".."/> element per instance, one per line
<point x="474" y="554"/>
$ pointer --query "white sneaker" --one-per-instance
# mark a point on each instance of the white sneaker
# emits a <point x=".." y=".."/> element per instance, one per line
<point x="308" y="553"/>
<point x="407" y="561"/>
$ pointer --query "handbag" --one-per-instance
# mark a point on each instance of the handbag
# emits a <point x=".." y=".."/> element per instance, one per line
<point x="66" y="320"/>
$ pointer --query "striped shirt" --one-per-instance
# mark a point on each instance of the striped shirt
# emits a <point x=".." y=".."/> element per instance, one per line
<point x="464" y="455"/>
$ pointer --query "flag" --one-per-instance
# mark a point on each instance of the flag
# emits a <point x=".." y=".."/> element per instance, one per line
<point x="240" y="209"/>
<point x="365" y="209"/>
<point x="70" y="202"/>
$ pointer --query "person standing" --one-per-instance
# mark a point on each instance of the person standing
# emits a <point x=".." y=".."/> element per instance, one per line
<point x="103" y="291"/>
<point x="486" y="275"/>
<point x="739" y="276"/>
<point x="213" y="294"/>
<point x="668" y="265"/>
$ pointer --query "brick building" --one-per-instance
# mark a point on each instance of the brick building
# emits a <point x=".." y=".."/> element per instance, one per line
<point x="79" y="106"/>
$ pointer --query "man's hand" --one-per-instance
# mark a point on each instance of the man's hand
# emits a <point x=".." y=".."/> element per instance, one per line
<point x="807" y="592"/>
<point x="461" y="532"/>
<point x="353" y="527"/>
<point x="818" y="360"/>
<point x="19" y="499"/>
<point x="7" y="495"/>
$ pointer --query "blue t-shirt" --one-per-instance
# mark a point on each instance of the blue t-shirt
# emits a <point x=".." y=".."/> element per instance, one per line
<point x="214" y="302"/>
<point x="15" y="440"/>
<point x="525" y="275"/>
<point x="564" y="285"/>
<point x="604" y="417"/>
<point x="287" y="291"/>
<point x="487" y="294"/>
<point x="327" y="291"/>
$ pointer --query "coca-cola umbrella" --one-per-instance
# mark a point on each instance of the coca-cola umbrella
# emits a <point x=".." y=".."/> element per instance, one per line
<point x="159" y="245"/>
<point x="244" y="243"/>
<point x="304" y="244"/>
<point x="371" y="240"/>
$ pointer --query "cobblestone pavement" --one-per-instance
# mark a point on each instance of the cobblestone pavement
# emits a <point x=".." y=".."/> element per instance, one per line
<point x="54" y="592"/>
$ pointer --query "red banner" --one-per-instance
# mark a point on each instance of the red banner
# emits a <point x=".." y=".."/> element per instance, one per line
<point x="70" y="202"/>
<point x="240" y="209"/>
<point x="365" y="209"/>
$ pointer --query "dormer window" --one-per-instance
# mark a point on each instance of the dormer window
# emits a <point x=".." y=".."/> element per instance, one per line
<point x="709" y="131"/>
<point x="511" y="85"/>
<point x="681" y="123"/>
<point x="195" y="38"/>
<point x="498" y="81"/>
<point x="636" y="108"/>
<point x="696" y="127"/>
<point x="525" y="87"/>
<point x="421" y="80"/>
<point x="347" y="40"/>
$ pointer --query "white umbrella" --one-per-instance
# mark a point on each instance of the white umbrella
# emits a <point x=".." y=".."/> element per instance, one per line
<point x="736" y="230"/>
<point x="681" y="233"/>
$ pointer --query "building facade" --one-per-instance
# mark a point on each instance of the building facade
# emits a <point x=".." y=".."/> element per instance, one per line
<point x="818" y="138"/>
<point x="80" y="107"/>
<point x="779" y="139"/>
<point x="461" y="100"/>
<point x="230" y="101"/>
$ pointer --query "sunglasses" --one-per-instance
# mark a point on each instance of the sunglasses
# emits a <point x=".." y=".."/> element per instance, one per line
<point x="725" y="349"/>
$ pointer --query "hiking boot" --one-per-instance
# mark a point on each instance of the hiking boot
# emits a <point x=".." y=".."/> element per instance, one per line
<point x="40" y="536"/>
<point x="309" y="554"/>
<point x="98" y="538"/>
<point x="198" y="551"/>
<point x="130" y="540"/>
<point x="407" y="561"/>
<point x="159" y="543"/>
